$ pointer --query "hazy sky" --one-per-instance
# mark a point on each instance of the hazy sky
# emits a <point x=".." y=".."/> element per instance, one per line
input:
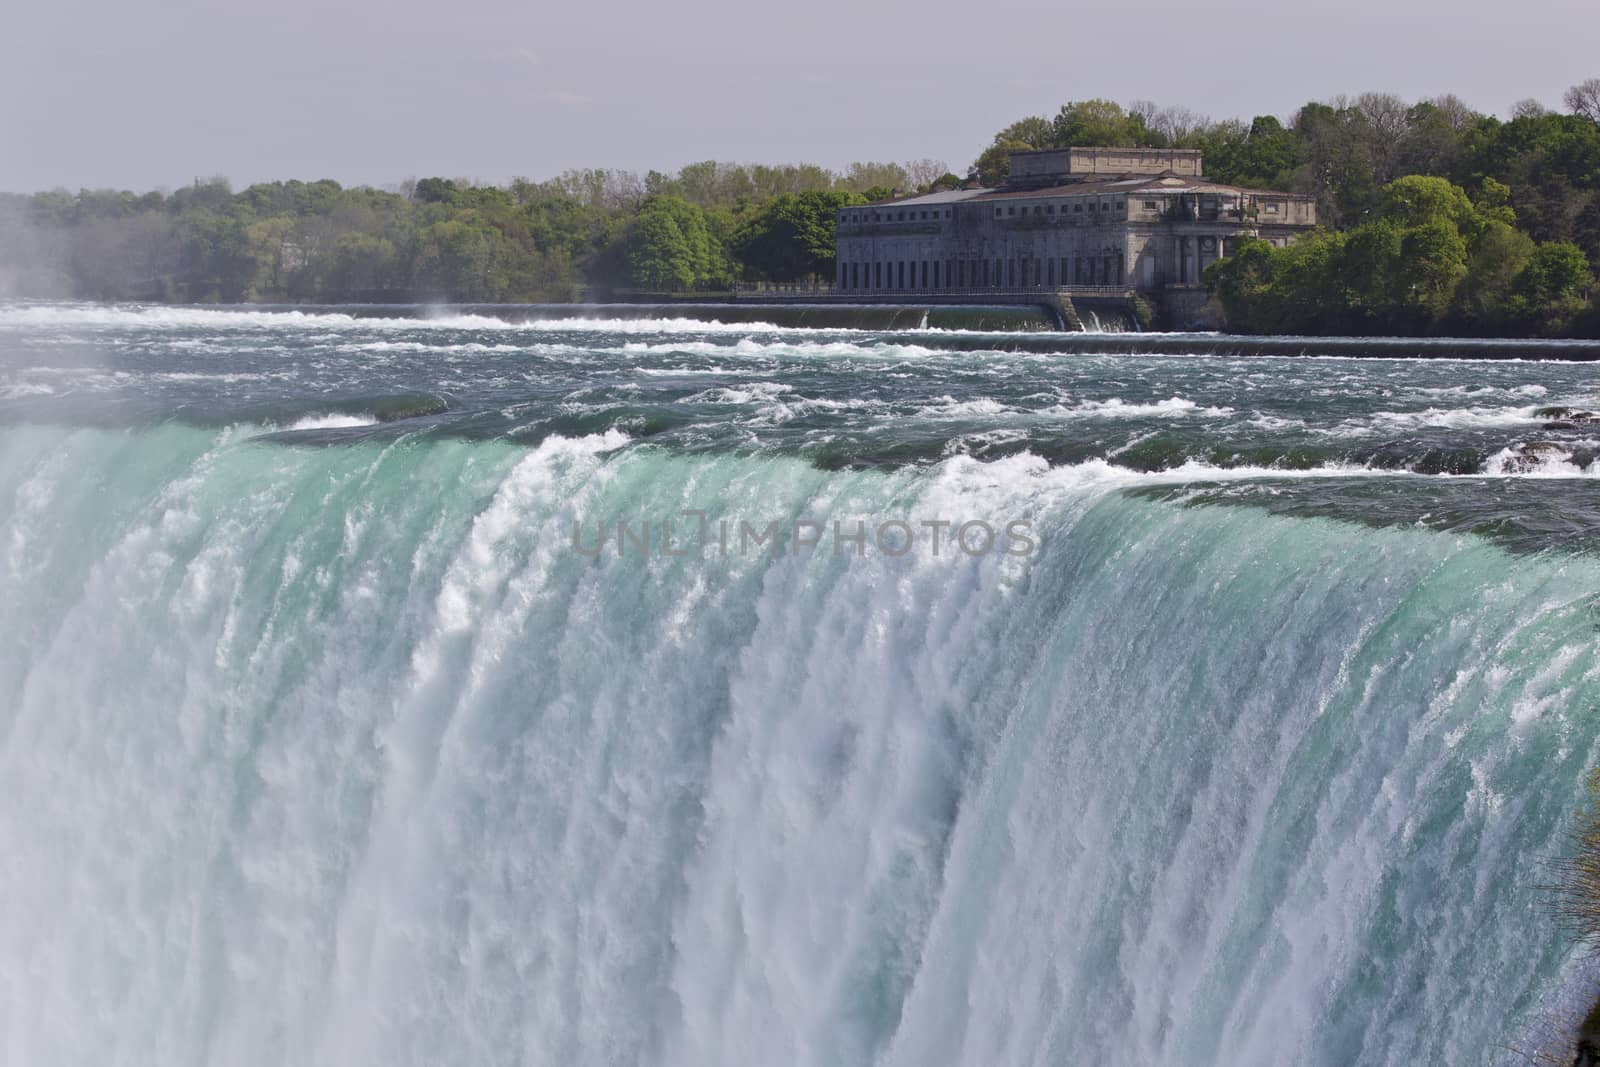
<point x="119" y="93"/>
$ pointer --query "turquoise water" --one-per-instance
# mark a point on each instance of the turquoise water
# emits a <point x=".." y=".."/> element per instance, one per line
<point x="324" y="741"/>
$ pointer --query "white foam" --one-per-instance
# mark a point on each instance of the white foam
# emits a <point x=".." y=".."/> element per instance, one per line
<point x="18" y="390"/>
<point x="745" y="393"/>
<point x="333" y="422"/>
<point x="1467" y="418"/>
<point x="66" y="316"/>
<point x="158" y="317"/>
<point x="1117" y="408"/>
<point x="1523" y="461"/>
<point x="752" y="347"/>
<point x="950" y="407"/>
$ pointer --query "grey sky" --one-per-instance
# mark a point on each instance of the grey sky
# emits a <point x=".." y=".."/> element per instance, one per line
<point x="111" y="93"/>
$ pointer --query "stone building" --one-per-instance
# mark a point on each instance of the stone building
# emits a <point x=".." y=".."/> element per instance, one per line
<point x="1140" y="219"/>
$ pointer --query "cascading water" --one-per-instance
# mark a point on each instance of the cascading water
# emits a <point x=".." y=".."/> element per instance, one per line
<point x="1101" y="321"/>
<point x="330" y="740"/>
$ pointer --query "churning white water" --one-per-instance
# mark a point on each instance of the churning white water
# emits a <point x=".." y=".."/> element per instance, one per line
<point x="344" y="755"/>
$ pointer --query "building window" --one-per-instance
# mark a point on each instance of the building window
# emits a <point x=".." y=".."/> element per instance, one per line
<point x="1150" y="205"/>
<point x="1050" y="210"/>
<point x="1077" y="207"/>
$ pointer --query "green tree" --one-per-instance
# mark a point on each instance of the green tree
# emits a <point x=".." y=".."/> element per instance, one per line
<point x="868" y="178"/>
<point x="1554" y="287"/>
<point x="670" y="247"/>
<point x="1498" y="256"/>
<point x="1433" y="261"/>
<point x="1370" y="274"/>
<point x="993" y="166"/>
<point x="436" y="191"/>
<point x="1550" y="162"/>
<point x="1431" y="142"/>
<point x="362" y="265"/>
<point x="1416" y="200"/>
<point x="1338" y="167"/>
<point x="659" y="253"/>
<point x="1493" y="203"/>
<point x="216" y="264"/>
<point x="455" y="260"/>
<point x="1264" y="156"/>
<point x="792" y="238"/>
<point x="1242" y="283"/>
<point x="271" y="245"/>
<point x="1097" y="124"/>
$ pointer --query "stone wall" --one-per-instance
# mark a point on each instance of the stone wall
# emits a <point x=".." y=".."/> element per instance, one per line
<point x="1059" y="166"/>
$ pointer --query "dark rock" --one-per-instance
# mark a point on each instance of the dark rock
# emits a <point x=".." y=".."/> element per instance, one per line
<point x="1566" y="414"/>
<point x="1527" y="456"/>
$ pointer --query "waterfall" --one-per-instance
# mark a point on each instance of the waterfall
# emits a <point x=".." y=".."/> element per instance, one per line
<point x="345" y="755"/>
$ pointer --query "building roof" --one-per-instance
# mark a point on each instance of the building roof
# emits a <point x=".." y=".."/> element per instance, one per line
<point x="1108" y="150"/>
<point x="943" y="196"/>
<point x="1131" y="184"/>
<point x="1167" y="183"/>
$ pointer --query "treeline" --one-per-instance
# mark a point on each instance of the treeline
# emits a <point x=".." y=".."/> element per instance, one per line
<point x="705" y="227"/>
<point x="1428" y="260"/>
<point x="1504" y="237"/>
